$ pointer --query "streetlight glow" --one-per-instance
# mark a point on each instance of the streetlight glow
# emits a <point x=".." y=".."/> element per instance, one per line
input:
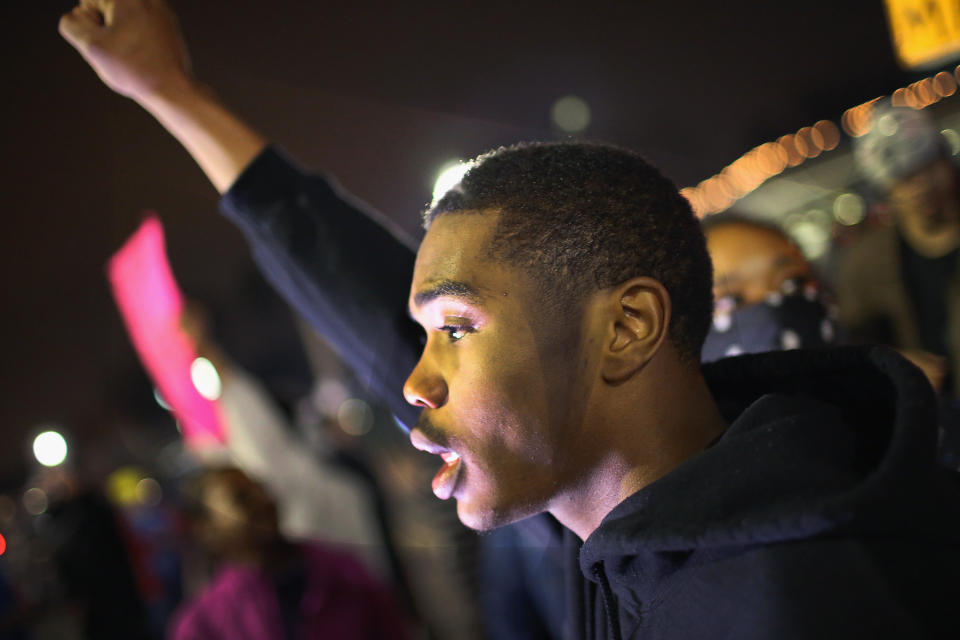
<point x="50" y="448"/>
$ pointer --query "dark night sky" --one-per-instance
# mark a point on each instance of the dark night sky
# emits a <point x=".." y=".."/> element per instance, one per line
<point x="379" y="94"/>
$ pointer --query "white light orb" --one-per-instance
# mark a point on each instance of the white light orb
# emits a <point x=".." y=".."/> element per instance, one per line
<point x="355" y="417"/>
<point x="849" y="209"/>
<point x="328" y="395"/>
<point x="813" y="238"/>
<point x="35" y="501"/>
<point x="50" y="448"/>
<point x="888" y="125"/>
<point x="149" y="492"/>
<point x="570" y="114"/>
<point x="205" y="378"/>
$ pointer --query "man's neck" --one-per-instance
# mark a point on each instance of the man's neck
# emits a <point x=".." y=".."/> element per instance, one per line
<point x="676" y="420"/>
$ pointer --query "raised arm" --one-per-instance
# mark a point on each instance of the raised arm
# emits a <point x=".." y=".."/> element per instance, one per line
<point x="333" y="260"/>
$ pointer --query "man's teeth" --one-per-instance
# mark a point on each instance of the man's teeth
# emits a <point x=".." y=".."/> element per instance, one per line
<point x="449" y="456"/>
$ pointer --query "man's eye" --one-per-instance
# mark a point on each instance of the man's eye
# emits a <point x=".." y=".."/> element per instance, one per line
<point x="455" y="332"/>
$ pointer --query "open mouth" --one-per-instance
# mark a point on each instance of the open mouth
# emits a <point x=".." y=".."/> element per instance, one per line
<point x="445" y="481"/>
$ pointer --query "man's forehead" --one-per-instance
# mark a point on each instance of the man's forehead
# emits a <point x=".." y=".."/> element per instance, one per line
<point x="455" y="264"/>
<point x="456" y="233"/>
<point x="454" y="250"/>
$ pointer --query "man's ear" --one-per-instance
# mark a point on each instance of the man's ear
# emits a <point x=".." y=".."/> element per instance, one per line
<point x="636" y="325"/>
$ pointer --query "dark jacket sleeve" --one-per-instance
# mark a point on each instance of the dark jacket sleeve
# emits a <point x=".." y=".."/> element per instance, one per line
<point x="338" y="264"/>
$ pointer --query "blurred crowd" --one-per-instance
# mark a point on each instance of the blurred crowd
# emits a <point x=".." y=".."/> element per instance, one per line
<point x="308" y="520"/>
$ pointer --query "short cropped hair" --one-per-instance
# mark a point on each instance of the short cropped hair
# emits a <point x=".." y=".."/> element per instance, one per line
<point x="582" y="216"/>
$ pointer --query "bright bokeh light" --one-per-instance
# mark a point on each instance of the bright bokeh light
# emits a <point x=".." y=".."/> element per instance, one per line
<point x="805" y="144"/>
<point x="953" y="140"/>
<point x="121" y="485"/>
<point x="570" y="114"/>
<point x="50" y="448"/>
<point x="448" y="178"/>
<point x="329" y="395"/>
<point x="149" y="492"/>
<point x="944" y="84"/>
<point x="3" y="545"/>
<point x="887" y="124"/>
<point x="355" y="417"/>
<point x="829" y="133"/>
<point x="899" y="98"/>
<point x="205" y="378"/>
<point x="789" y="145"/>
<point x="849" y="209"/>
<point x="813" y="238"/>
<point x="35" y="501"/>
<point x="858" y="120"/>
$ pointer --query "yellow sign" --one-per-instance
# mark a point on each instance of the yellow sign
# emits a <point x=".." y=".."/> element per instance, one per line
<point x="926" y="33"/>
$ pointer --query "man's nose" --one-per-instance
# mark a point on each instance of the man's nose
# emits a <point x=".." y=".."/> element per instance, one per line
<point x="425" y="387"/>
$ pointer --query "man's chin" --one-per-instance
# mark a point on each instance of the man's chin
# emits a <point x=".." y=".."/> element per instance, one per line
<point x="473" y="518"/>
<point x="487" y="518"/>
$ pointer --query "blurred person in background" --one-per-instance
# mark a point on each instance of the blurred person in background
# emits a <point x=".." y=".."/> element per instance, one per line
<point x="267" y="587"/>
<point x="899" y="284"/>
<point x="317" y="498"/>
<point x="154" y="526"/>
<point x="91" y="549"/>
<point x="323" y="490"/>
<point x="766" y="294"/>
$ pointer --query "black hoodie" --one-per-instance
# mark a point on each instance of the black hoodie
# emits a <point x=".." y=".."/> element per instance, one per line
<point x="820" y="513"/>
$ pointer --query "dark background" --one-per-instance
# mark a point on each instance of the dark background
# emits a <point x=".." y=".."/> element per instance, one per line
<point x="381" y="95"/>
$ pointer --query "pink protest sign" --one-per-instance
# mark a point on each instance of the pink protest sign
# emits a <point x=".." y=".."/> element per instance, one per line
<point x="151" y="305"/>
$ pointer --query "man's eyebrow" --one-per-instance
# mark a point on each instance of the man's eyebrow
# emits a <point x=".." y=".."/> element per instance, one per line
<point x="447" y="289"/>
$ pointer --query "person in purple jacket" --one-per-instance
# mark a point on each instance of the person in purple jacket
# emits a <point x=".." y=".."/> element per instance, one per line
<point x="564" y="291"/>
<point x="266" y="587"/>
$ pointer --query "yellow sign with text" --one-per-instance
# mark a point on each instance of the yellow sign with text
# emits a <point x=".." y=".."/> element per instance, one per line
<point x="926" y="33"/>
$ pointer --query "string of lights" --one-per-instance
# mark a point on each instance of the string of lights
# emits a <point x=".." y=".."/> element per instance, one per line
<point x="767" y="160"/>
